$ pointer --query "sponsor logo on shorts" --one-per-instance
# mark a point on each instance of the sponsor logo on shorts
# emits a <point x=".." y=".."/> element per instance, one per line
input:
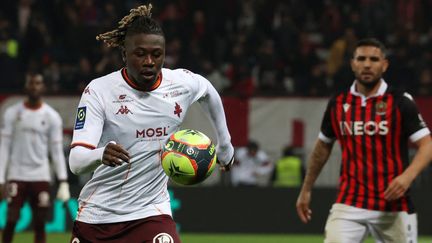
<point x="80" y="118"/>
<point x="163" y="238"/>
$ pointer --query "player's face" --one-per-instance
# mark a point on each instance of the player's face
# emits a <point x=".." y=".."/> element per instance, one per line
<point x="368" y="65"/>
<point x="144" y="55"/>
<point x="35" y="87"/>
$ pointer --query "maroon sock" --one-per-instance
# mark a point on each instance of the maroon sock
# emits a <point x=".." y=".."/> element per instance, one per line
<point x="8" y="232"/>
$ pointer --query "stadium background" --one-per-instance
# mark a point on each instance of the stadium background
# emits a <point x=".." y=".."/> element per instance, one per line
<point x="274" y="62"/>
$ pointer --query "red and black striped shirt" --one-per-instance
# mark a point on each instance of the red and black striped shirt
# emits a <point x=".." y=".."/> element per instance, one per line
<point x="373" y="134"/>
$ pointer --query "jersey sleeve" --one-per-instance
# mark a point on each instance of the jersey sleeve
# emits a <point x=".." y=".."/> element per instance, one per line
<point x="412" y="121"/>
<point x="211" y="102"/>
<point x="327" y="134"/>
<point x="56" y="146"/>
<point x="89" y="119"/>
<point x="5" y="142"/>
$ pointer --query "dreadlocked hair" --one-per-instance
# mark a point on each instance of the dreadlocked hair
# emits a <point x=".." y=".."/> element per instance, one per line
<point x="137" y="21"/>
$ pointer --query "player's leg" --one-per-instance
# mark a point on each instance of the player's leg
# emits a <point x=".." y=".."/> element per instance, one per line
<point x="394" y="227"/>
<point x="40" y="203"/>
<point x="156" y="229"/>
<point x="344" y="225"/>
<point x="16" y="195"/>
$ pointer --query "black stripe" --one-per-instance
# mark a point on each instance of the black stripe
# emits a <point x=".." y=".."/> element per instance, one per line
<point x="374" y="162"/>
<point x="365" y="152"/>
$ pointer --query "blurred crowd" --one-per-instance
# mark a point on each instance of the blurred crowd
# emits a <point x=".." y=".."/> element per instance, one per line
<point x="245" y="47"/>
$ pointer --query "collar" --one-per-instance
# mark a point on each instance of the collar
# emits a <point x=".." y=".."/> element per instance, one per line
<point x="131" y="83"/>
<point x="381" y="90"/>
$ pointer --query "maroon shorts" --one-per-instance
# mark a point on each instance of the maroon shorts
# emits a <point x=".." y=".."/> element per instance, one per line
<point x="157" y="229"/>
<point x="19" y="191"/>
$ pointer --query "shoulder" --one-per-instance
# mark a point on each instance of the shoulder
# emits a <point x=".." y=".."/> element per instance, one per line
<point x="14" y="108"/>
<point x="181" y="74"/>
<point x="105" y="81"/>
<point x="400" y="96"/>
<point x="53" y="113"/>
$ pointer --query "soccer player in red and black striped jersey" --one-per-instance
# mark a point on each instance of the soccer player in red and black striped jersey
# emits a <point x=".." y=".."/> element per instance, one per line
<point x="373" y="123"/>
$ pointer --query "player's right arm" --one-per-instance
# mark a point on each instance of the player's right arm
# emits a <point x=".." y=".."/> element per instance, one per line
<point x="85" y="157"/>
<point x="5" y="144"/>
<point x="317" y="160"/>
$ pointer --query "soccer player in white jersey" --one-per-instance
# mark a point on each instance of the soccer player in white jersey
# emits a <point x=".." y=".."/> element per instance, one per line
<point x="31" y="131"/>
<point x="122" y="122"/>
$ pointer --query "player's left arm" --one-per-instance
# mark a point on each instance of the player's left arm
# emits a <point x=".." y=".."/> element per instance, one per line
<point x="211" y="103"/>
<point x="58" y="157"/>
<point x="420" y="136"/>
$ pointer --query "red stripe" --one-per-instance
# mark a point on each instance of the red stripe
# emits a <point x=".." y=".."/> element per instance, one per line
<point x="336" y="117"/>
<point x="389" y="147"/>
<point x="86" y="145"/>
<point x="397" y="141"/>
<point x="380" y="164"/>
<point x="358" y="152"/>
<point x="350" y="149"/>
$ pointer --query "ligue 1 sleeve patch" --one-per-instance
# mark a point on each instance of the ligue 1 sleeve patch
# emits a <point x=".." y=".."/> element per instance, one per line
<point x="80" y="119"/>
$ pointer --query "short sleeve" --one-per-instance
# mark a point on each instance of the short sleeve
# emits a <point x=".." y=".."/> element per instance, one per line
<point x="327" y="134"/>
<point x="89" y="119"/>
<point x="412" y="121"/>
<point x="7" y="122"/>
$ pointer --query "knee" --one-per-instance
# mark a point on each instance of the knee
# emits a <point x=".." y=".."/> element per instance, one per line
<point x="13" y="214"/>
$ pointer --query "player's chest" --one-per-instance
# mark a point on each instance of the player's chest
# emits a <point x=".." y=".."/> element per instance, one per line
<point x="147" y="109"/>
<point x="31" y="122"/>
<point x="371" y="117"/>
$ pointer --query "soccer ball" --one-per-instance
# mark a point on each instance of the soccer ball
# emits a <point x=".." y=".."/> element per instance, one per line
<point x="188" y="157"/>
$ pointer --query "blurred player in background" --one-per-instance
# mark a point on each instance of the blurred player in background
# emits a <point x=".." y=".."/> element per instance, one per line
<point x="32" y="132"/>
<point x="373" y="123"/>
<point x="252" y="166"/>
<point x="123" y="120"/>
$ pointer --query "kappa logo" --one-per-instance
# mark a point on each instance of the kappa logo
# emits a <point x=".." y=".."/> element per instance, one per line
<point x="177" y="109"/>
<point x="163" y="238"/>
<point x="87" y="90"/>
<point x="124" y="110"/>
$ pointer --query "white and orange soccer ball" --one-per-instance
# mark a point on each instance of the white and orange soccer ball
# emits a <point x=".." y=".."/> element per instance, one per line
<point x="188" y="157"/>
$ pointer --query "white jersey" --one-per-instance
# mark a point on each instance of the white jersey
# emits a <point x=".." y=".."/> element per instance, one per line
<point x="29" y="137"/>
<point x="141" y="121"/>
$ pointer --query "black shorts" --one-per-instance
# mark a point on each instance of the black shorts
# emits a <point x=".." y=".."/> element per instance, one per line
<point x="161" y="228"/>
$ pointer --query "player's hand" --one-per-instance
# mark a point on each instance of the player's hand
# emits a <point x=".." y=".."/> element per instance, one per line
<point x="303" y="210"/>
<point x="397" y="187"/>
<point x="63" y="192"/>
<point x="115" y="155"/>
<point x="227" y="166"/>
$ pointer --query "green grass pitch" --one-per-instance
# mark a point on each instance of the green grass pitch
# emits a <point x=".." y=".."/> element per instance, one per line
<point x="27" y="237"/>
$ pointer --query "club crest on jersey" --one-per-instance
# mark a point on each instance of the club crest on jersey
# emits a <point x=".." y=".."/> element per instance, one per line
<point x="124" y="110"/>
<point x="177" y="109"/>
<point x="381" y="108"/>
<point x="163" y="238"/>
<point x="80" y="118"/>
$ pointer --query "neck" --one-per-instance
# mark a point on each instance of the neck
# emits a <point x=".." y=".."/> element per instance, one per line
<point x="33" y="102"/>
<point x="368" y="90"/>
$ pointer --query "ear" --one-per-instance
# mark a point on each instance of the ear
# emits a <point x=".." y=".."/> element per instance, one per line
<point x="386" y="65"/>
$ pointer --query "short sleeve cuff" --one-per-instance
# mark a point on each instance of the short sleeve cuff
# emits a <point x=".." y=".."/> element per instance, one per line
<point x="325" y="139"/>
<point x="419" y="134"/>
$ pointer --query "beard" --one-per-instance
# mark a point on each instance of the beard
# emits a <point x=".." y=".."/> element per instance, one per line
<point x="369" y="84"/>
